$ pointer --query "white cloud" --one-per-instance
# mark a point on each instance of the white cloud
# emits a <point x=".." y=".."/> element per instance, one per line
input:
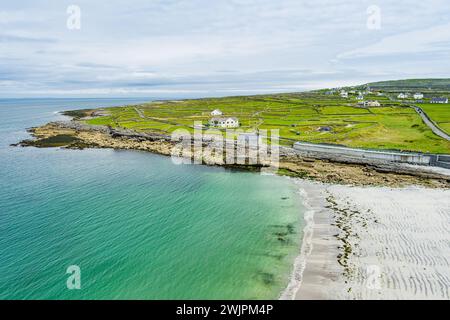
<point x="142" y="46"/>
<point x="8" y="17"/>
<point x="429" y="40"/>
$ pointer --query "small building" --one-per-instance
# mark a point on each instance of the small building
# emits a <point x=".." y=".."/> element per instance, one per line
<point x="360" y="97"/>
<point x="373" y="103"/>
<point x="344" y="94"/>
<point x="418" y="96"/>
<point x="216" y="112"/>
<point x="439" y="100"/>
<point x="369" y="103"/>
<point x="402" y="95"/>
<point x="229" y="122"/>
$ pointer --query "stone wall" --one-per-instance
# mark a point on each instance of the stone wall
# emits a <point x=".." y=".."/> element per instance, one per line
<point x="338" y="153"/>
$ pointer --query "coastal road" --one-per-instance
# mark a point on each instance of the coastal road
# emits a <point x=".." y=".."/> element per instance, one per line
<point x="431" y="124"/>
<point x="427" y="120"/>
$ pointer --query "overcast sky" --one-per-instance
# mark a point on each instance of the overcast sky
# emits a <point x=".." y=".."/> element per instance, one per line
<point x="217" y="47"/>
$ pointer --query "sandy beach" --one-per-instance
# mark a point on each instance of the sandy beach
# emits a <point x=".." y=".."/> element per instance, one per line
<point x="373" y="243"/>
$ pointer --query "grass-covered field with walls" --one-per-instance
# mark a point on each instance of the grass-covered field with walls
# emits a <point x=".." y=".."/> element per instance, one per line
<point x="320" y="117"/>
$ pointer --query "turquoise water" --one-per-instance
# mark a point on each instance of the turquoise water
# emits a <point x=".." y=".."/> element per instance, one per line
<point x="137" y="225"/>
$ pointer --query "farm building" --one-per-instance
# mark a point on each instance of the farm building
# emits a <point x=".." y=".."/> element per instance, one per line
<point x="373" y="103"/>
<point x="230" y="122"/>
<point x="216" y="112"/>
<point x="418" y="96"/>
<point x="439" y="100"/>
<point x="369" y="103"/>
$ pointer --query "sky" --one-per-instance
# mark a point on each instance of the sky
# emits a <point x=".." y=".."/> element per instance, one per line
<point x="216" y="47"/>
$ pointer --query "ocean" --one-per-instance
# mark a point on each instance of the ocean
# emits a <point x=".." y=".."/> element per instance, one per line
<point x="135" y="224"/>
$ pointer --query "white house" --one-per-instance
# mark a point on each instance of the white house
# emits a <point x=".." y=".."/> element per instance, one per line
<point x="344" y="94"/>
<point x="230" y="122"/>
<point x="216" y="112"/>
<point x="373" y="103"/>
<point x="402" y="95"/>
<point x="360" y="97"/>
<point x="370" y="103"/>
<point x="418" y="95"/>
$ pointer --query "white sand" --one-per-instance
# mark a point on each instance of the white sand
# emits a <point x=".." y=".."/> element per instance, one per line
<point x="391" y="244"/>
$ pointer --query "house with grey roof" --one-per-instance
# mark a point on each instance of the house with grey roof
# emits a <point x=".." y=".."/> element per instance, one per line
<point x="344" y="94"/>
<point x="439" y="100"/>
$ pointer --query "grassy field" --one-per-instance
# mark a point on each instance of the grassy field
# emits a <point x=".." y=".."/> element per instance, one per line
<point x="299" y="117"/>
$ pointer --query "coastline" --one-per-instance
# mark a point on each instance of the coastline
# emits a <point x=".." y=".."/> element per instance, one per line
<point x="338" y="247"/>
<point x="75" y="135"/>
<point x="392" y="244"/>
<point x="297" y="278"/>
<point x="316" y="269"/>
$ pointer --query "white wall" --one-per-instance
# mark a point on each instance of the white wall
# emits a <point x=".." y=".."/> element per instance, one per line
<point x="327" y="152"/>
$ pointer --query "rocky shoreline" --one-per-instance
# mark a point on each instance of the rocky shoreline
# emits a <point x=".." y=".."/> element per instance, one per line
<point x="76" y="135"/>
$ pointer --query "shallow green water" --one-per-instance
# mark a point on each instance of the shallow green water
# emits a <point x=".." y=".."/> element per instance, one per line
<point x="137" y="225"/>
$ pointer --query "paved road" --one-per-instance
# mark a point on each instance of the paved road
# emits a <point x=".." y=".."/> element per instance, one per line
<point x="431" y="124"/>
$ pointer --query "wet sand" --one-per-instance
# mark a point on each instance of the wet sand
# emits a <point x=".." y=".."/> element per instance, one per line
<point x="373" y="243"/>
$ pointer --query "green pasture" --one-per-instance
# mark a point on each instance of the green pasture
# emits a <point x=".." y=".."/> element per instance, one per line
<point x="298" y="117"/>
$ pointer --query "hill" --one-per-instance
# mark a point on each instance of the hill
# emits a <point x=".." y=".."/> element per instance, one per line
<point x="412" y="85"/>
